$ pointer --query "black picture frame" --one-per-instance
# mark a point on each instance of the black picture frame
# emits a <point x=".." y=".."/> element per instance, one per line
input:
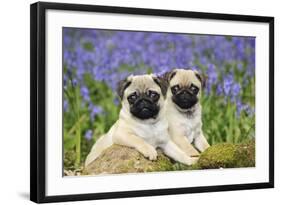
<point x="38" y="100"/>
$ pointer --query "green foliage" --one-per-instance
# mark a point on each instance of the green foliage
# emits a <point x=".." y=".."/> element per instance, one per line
<point x="221" y="123"/>
<point x="77" y="120"/>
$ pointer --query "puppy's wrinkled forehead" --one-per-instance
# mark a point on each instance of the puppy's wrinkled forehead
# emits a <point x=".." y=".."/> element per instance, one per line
<point x="142" y="84"/>
<point x="185" y="78"/>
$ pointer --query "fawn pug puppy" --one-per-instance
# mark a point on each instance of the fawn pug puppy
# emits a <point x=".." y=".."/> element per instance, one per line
<point x="183" y="110"/>
<point x="142" y="123"/>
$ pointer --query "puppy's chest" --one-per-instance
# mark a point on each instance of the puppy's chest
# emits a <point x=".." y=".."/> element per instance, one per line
<point x="191" y="127"/>
<point x="154" y="134"/>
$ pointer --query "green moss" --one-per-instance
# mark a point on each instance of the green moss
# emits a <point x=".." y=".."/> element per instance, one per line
<point x="69" y="158"/>
<point x="162" y="163"/>
<point x="228" y="155"/>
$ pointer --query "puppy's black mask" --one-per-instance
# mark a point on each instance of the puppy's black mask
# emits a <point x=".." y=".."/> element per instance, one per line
<point x="185" y="97"/>
<point x="144" y="105"/>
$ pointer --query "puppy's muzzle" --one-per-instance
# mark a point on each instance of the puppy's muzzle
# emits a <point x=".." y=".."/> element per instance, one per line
<point x="144" y="108"/>
<point x="185" y="99"/>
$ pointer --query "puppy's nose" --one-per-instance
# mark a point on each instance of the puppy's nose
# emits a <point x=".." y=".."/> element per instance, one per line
<point x="185" y="95"/>
<point x="143" y="102"/>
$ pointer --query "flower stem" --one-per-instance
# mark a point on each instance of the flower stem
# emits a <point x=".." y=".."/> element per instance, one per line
<point x="78" y="130"/>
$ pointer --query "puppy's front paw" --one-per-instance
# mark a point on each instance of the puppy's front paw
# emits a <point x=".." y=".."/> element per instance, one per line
<point x="192" y="153"/>
<point x="149" y="152"/>
<point x="191" y="160"/>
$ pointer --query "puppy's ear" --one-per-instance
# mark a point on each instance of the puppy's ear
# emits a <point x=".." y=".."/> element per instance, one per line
<point x="169" y="75"/>
<point x="162" y="84"/>
<point x="121" y="87"/>
<point x="203" y="78"/>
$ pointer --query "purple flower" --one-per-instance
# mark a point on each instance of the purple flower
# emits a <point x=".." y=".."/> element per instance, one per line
<point x="239" y="66"/>
<point x="74" y="82"/>
<point x="236" y="89"/>
<point x="249" y="110"/>
<point x="244" y="107"/>
<point x="65" y="105"/>
<point x="227" y="84"/>
<point x="85" y="93"/>
<point x="219" y="90"/>
<point x="65" y="79"/>
<point x="89" y="134"/>
<point x="94" y="111"/>
<point x="116" y="101"/>
<point x="212" y="77"/>
<point x="239" y="107"/>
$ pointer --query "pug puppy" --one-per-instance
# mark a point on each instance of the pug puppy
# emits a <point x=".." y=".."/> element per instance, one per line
<point x="183" y="110"/>
<point x="142" y="123"/>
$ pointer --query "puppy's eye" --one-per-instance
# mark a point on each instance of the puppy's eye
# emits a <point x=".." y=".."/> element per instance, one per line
<point x="132" y="98"/>
<point x="175" y="89"/>
<point x="194" y="89"/>
<point x="154" y="95"/>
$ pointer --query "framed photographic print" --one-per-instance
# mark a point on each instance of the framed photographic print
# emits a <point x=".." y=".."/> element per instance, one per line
<point x="129" y="102"/>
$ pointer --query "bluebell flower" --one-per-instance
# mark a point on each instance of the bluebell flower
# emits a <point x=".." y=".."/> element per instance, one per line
<point x="242" y="107"/>
<point x="219" y="89"/>
<point x="65" y="105"/>
<point x="239" y="66"/>
<point x="227" y="84"/>
<point x="85" y="93"/>
<point x="239" y="107"/>
<point x="89" y="134"/>
<point x="94" y="111"/>
<point x="65" y="79"/>
<point x="212" y="77"/>
<point x="249" y="110"/>
<point x="116" y="101"/>
<point x="236" y="89"/>
<point x="74" y="82"/>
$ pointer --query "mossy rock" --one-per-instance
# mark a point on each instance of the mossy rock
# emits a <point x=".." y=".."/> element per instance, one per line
<point x="119" y="159"/>
<point x="227" y="155"/>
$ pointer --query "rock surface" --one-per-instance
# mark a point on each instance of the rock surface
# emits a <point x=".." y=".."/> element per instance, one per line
<point x="119" y="159"/>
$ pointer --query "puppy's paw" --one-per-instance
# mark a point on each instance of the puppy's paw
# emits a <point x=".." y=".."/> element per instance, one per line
<point x="194" y="160"/>
<point x="192" y="153"/>
<point x="191" y="160"/>
<point x="149" y="152"/>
